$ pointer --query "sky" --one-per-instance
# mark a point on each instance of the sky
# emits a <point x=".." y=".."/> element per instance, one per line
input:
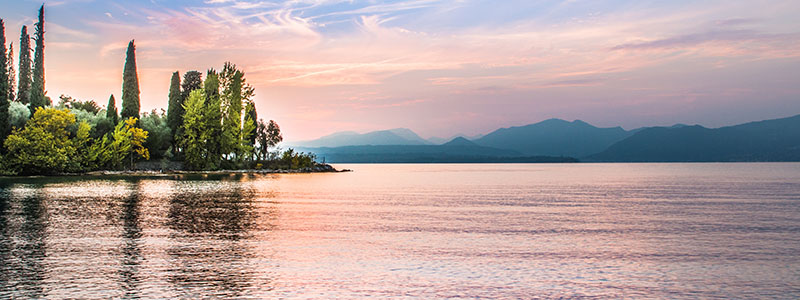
<point x="439" y="68"/>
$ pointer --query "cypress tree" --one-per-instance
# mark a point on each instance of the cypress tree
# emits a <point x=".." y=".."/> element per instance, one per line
<point x="24" y="85"/>
<point x="130" y="85"/>
<point x="192" y="80"/>
<point x="175" y="109"/>
<point x="4" y="92"/>
<point x="12" y="81"/>
<point x="37" y="88"/>
<point x="213" y="119"/>
<point x="111" y="110"/>
<point x="251" y="115"/>
<point x="231" y="99"/>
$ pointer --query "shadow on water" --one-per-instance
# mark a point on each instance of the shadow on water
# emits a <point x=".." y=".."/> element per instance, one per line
<point x="23" y="235"/>
<point x="132" y="237"/>
<point x="131" y="252"/>
<point x="211" y="222"/>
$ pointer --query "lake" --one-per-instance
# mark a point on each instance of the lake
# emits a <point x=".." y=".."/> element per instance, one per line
<point x="410" y="231"/>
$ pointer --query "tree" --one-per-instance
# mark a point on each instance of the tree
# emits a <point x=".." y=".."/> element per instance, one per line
<point x="212" y="115"/>
<point x="18" y="114"/>
<point x="125" y="142"/>
<point x="12" y="80"/>
<point x="175" y="109"/>
<point x="159" y="136"/>
<point x="4" y="88"/>
<point x="71" y="103"/>
<point x="24" y="85"/>
<point x="194" y="131"/>
<point x="231" y="99"/>
<point x="38" y="95"/>
<point x="192" y="80"/>
<point x="248" y="138"/>
<point x="274" y="136"/>
<point x="111" y="110"/>
<point x="130" y="85"/>
<point x="267" y="136"/>
<point x="235" y="92"/>
<point x="43" y="146"/>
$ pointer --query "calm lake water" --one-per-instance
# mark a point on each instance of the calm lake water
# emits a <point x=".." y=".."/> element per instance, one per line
<point x="410" y="231"/>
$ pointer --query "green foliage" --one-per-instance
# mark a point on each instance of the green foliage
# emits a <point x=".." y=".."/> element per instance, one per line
<point x="4" y="87"/>
<point x="111" y="111"/>
<point x="194" y="133"/>
<point x="25" y="77"/>
<point x="43" y="146"/>
<point x="98" y="123"/>
<point x="18" y="114"/>
<point x="192" y="80"/>
<point x="267" y="136"/>
<point x="213" y="116"/>
<point x="38" y="96"/>
<point x="235" y="91"/>
<point x="159" y="134"/>
<point x="130" y="85"/>
<point x="126" y="142"/>
<point x="175" y="108"/>
<point x="12" y="81"/>
<point x="297" y="160"/>
<point x="88" y="105"/>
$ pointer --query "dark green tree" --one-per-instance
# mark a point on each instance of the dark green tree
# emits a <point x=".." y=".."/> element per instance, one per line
<point x="111" y="110"/>
<point x="130" y="85"/>
<point x="24" y="83"/>
<point x="213" y="118"/>
<point x="38" y="96"/>
<point x="12" y="80"/>
<point x="159" y="135"/>
<point x="175" y="109"/>
<point x="4" y="88"/>
<point x="250" y="119"/>
<point x="192" y="80"/>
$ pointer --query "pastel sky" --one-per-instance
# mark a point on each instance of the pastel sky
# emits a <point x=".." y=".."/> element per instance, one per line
<point x="441" y="67"/>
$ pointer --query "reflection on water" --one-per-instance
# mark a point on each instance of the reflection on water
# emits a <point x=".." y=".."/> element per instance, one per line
<point x="420" y="231"/>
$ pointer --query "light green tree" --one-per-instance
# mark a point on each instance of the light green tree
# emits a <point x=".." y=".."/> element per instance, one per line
<point x="194" y="137"/>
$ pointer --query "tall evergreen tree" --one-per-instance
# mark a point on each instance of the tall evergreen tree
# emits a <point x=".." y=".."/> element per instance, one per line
<point x="250" y="115"/>
<point x="192" y="80"/>
<point x="195" y="134"/>
<point x="24" y="85"/>
<point x="12" y="80"/>
<point x="231" y="98"/>
<point x="111" y="110"/>
<point x="130" y="85"/>
<point x="4" y="92"/>
<point x="175" y="109"/>
<point x="213" y="116"/>
<point x="38" y="97"/>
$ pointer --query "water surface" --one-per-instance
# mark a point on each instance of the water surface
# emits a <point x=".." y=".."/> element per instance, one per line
<point x="410" y="231"/>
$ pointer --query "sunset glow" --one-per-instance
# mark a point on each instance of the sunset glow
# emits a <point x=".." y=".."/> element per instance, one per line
<point x="440" y="67"/>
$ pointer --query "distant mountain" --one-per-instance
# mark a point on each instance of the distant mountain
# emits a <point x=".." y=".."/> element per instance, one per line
<point x="555" y="137"/>
<point x="459" y="150"/>
<point x="438" y="141"/>
<point x="399" y="136"/>
<point x="770" y="140"/>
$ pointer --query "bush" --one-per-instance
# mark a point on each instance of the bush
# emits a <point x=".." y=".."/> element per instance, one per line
<point x="18" y="114"/>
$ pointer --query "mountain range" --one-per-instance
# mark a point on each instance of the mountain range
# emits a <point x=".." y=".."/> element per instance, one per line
<point x="556" y="140"/>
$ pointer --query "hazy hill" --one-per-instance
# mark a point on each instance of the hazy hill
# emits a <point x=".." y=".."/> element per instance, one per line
<point x="438" y="141"/>
<point x="555" y="137"/>
<point x="455" y="151"/>
<point x="770" y="140"/>
<point x="399" y="136"/>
